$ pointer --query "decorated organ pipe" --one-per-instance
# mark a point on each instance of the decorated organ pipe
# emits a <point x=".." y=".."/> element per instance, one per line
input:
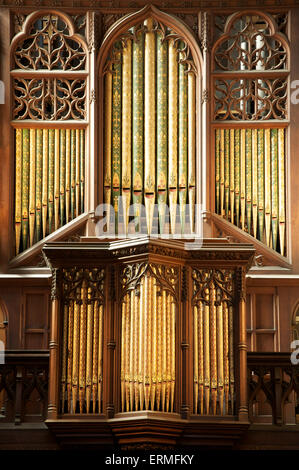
<point x="148" y="331"/>
<point x="250" y="182"/>
<point x="150" y="131"/>
<point x="49" y="182"/>
<point x="213" y="348"/>
<point x="82" y="341"/>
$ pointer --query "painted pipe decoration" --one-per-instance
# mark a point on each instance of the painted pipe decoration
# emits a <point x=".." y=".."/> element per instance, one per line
<point x="49" y="182"/>
<point x="150" y="132"/>
<point x="250" y="182"/>
<point x="148" y="348"/>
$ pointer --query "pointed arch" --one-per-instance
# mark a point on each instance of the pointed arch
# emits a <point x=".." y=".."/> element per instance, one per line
<point x="173" y="34"/>
<point x="124" y="23"/>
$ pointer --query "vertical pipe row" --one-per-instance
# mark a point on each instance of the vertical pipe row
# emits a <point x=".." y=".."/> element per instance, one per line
<point x="148" y="348"/>
<point x="250" y="165"/>
<point x="213" y="354"/>
<point x="82" y="354"/>
<point x="150" y="131"/>
<point x="49" y="182"/>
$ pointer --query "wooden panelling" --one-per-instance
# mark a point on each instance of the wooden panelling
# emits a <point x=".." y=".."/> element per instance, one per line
<point x="28" y="317"/>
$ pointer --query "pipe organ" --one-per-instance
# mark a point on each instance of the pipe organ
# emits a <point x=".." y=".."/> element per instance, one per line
<point x="213" y="312"/>
<point x="49" y="181"/>
<point x="250" y="182"/>
<point x="148" y="331"/>
<point x="49" y="84"/>
<point x="82" y="340"/>
<point x="148" y="337"/>
<point x="149" y="151"/>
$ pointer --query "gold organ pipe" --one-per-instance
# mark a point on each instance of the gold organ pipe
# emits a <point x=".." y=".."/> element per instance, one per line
<point x="89" y="350"/>
<point x="220" y="357"/>
<point x="108" y="141"/>
<point x="95" y="356"/>
<point x="172" y="355"/>
<point x="154" y="346"/>
<point x="191" y="148"/>
<point x="56" y="180"/>
<point x="232" y="179"/>
<point x="146" y="314"/>
<point x="127" y="353"/>
<point x="64" y="355"/>
<point x="254" y="182"/>
<point x="207" y="352"/>
<point x="70" y="355"/>
<point x="123" y="354"/>
<point x="75" y="365"/>
<point x="267" y="186"/>
<point x="172" y="131"/>
<point x="196" y="359"/>
<point x="149" y="122"/>
<point x="77" y="174"/>
<point x="164" y="349"/>
<point x="46" y="151"/>
<point x="18" y="200"/>
<point x="201" y="355"/>
<point x="136" y="351"/>
<point x="231" y="359"/>
<point x="131" y="369"/>
<point x="32" y="186"/>
<point x="68" y="174"/>
<point x="222" y="148"/>
<point x="148" y="379"/>
<point x="226" y="356"/>
<point x="100" y="356"/>
<point x="82" y="349"/>
<point x="141" y="341"/>
<point x="281" y="189"/>
<point x="160" y="348"/>
<point x="126" y="129"/>
<point x="213" y="352"/>
<point x="243" y="177"/>
<point x="168" y="351"/>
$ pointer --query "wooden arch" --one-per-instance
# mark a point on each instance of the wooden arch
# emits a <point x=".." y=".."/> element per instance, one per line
<point x="123" y="24"/>
<point x="37" y="14"/>
<point x="267" y="17"/>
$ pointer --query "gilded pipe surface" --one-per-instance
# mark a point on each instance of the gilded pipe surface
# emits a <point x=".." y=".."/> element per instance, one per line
<point x="32" y="186"/>
<point x="274" y="186"/>
<point x="172" y="132"/>
<point x="116" y="133"/>
<point x="52" y="169"/>
<point x="62" y="174"/>
<point x="248" y="191"/>
<point x="281" y="190"/>
<point x="196" y="359"/>
<point x="108" y="140"/>
<point x="261" y="183"/>
<point x="18" y="200"/>
<point x="82" y="349"/>
<point x="138" y="125"/>
<point x="68" y="175"/>
<point x="95" y="355"/>
<point x="267" y="143"/>
<point x="70" y="355"/>
<point x="126" y="130"/>
<point x="226" y="172"/>
<point x="100" y="356"/>
<point x="232" y="175"/>
<point x="56" y="180"/>
<point x="89" y="345"/>
<point x="183" y="141"/>
<point x="162" y="130"/>
<point x="243" y="177"/>
<point x="73" y="173"/>
<point x="191" y="148"/>
<point x="222" y="149"/>
<point x="48" y="140"/>
<point x="25" y="187"/>
<point x="77" y="173"/>
<point x="149" y="123"/>
<point x="38" y="183"/>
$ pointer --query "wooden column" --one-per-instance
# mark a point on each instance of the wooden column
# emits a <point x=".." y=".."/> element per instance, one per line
<point x="53" y="406"/>
<point x="242" y="347"/>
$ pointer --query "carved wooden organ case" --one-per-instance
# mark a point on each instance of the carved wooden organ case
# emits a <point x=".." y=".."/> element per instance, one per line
<point x="148" y="329"/>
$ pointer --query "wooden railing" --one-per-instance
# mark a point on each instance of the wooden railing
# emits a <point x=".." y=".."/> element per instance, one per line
<point x="24" y="386"/>
<point x="273" y="383"/>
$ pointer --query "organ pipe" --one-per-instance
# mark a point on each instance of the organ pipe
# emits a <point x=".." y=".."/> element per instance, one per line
<point x="255" y="159"/>
<point x="49" y="182"/>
